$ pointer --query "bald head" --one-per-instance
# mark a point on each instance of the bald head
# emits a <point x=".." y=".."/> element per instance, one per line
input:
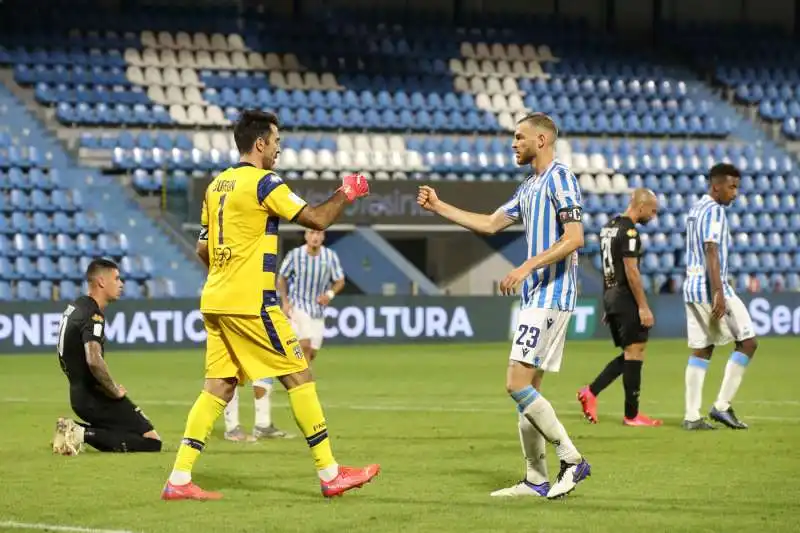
<point x="643" y="205"/>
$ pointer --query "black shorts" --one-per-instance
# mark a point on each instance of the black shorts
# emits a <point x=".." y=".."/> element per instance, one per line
<point x="102" y="412"/>
<point x="625" y="325"/>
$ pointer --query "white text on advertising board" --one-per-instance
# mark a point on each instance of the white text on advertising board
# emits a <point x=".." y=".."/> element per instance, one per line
<point x="391" y="321"/>
<point x="149" y="327"/>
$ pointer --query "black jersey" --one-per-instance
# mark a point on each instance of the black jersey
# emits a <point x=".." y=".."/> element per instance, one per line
<point x="618" y="239"/>
<point x="82" y="321"/>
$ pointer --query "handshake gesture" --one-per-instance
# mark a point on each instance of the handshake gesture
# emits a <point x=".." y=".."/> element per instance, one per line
<point x="354" y="186"/>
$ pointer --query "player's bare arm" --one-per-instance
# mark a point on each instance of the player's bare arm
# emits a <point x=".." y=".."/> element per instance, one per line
<point x="477" y="222"/>
<point x="282" y="285"/>
<point x="201" y="249"/>
<point x="571" y="240"/>
<point x="711" y="250"/>
<point x="336" y="288"/>
<point x="99" y="369"/>
<point x="320" y="217"/>
<point x="635" y="281"/>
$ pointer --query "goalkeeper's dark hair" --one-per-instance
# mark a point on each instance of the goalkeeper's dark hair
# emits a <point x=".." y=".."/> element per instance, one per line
<point x="721" y="171"/>
<point x="251" y="125"/>
<point x="98" y="266"/>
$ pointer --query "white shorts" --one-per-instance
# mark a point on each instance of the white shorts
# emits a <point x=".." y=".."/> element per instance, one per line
<point x="703" y="331"/>
<point x="539" y="338"/>
<point x="308" y="328"/>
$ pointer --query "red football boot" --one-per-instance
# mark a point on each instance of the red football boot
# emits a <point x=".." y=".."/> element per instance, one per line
<point x="588" y="404"/>
<point x="349" y="478"/>
<point x="642" y="420"/>
<point x="190" y="491"/>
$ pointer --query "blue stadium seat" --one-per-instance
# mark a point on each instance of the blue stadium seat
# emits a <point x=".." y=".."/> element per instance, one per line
<point x="6" y="294"/>
<point x="26" y="291"/>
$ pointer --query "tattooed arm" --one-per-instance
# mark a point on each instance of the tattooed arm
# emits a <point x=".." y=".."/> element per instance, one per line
<point x="99" y="369"/>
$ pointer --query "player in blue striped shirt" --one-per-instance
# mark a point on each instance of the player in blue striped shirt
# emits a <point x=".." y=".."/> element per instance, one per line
<point x="714" y="314"/>
<point x="548" y="203"/>
<point x="309" y="278"/>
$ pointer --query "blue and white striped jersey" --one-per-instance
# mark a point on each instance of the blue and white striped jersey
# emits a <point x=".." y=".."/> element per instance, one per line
<point x="541" y="202"/>
<point x="310" y="276"/>
<point x="706" y="222"/>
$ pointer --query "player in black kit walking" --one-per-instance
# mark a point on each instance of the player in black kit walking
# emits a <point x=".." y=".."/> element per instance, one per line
<point x="626" y="311"/>
<point x="111" y="421"/>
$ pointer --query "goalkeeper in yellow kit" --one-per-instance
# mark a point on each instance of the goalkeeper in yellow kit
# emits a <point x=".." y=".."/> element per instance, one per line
<point x="249" y="337"/>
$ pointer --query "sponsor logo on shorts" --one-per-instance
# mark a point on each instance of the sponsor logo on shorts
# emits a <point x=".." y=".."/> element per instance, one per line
<point x="298" y="352"/>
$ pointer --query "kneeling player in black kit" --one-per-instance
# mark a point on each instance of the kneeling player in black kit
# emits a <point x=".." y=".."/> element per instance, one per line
<point x="111" y="421"/>
<point x="627" y="313"/>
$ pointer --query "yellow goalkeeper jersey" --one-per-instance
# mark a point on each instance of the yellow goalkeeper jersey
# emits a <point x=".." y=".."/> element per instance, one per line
<point x="240" y="218"/>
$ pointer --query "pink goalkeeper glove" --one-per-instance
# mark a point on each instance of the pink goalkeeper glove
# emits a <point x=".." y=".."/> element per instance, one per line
<point x="354" y="186"/>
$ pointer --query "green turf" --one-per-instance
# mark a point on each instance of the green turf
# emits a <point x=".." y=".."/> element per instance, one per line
<point x="439" y="422"/>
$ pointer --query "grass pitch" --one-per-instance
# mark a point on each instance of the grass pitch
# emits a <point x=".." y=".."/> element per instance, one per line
<point x="437" y="419"/>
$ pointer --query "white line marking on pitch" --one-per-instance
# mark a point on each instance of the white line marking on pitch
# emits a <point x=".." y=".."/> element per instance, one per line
<point x="436" y="409"/>
<point x="55" y="527"/>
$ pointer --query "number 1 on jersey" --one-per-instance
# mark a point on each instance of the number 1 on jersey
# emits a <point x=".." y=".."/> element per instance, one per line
<point x="219" y="216"/>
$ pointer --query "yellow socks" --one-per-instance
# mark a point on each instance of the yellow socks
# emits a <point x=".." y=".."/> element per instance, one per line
<point x="205" y="411"/>
<point x="308" y="414"/>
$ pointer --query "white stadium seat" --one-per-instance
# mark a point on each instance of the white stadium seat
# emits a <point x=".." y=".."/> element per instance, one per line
<point x="219" y="42"/>
<point x="312" y="81"/>
<point x="361" y="160"/>
<point x="344" y="142"/>
<point x="148" y="39"/>
<point x="493" y="86"/>
<point x="152" y="76"/>
<point x="343" y="160"/>
<point x="171" y="76"/>
<point x="186" y="58"/>
<point x="503" y="68"/>
<point x="290" y="62"/>
<point x="183" y="41"/>
<point x="467" y="50"/>
<point x="168" y="58"/>
<point x="133" y="57"/>
<point x="239" y="61"/>
<point x="379" y="161"/>
<point x="294" y="80"/>
<point x="513" y="52"/>
<point x="326" y="161"/>
<point x="165" y="40"/>
<point x="545" y="54"/>
<point x="273" y="61"/>
<point x="178" y="114"/>
<point x="498" y="51"/>
<point x="488" y="68"/>
<point x="329" y="82"/>
<point x="586" y="182"/>
<point x="135" y="75"/>
<point x="499" y="103"/>
<point x="288" y="159"/>
<point x="256" y="61"/>
<point x="156" y="94"/>
<point x="380" y="143"/>
<point x="456" y="66"/>
<point x="150" y="58"/>
<point x="202" y="141"/>
<point x="201" y="41"/>
<point x="619" y="183"/>
<point x="222" y="60"/>
<point x="193" y="96"/>
<point x="221" y="141"/>
<point x="189" y="77"/>
<point x="215" y="116"/>
<point x="602" y="184"/>
<point x="461" y="85"/>
<point x="277" y="79"/>
<point x="204" y="60"/>
<point x="361" y="142"/>
<point x="472" y="68"/>
<point x="235" y="42"/>
<point x="482" y="51"/>
<point x="308" y="158"/>
<point x="196" y="115"/>
<point x="397" y="143"/>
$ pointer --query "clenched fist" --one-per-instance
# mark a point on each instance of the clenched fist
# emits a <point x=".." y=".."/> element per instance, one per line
<point x="427" y="198"/>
